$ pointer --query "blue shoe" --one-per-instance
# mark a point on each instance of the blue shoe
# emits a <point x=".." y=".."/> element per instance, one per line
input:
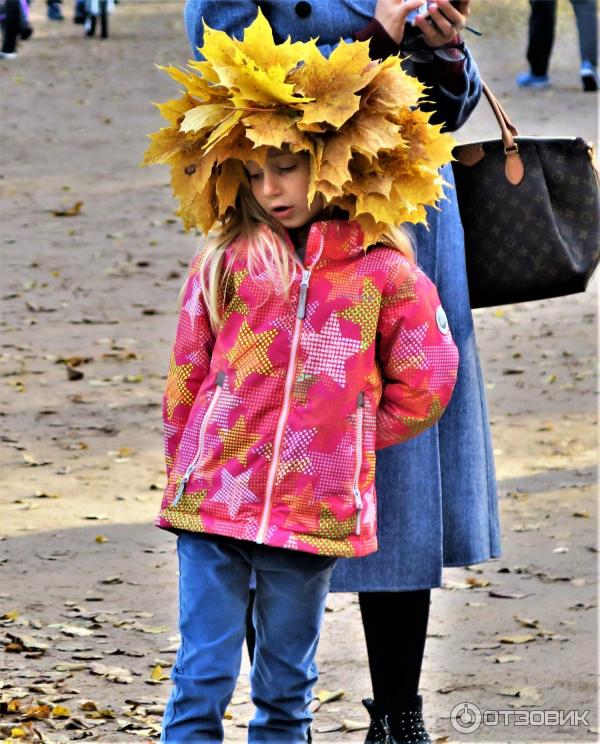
<point x="589" y="76"/>
<point x="529" y="80"/>
<point x="54" y="12"/>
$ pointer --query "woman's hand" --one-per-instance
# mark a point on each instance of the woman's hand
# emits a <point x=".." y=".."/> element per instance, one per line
<point x="439" y="25"/>
<point x="392" y="15"/>
<point x="446" y="22"/>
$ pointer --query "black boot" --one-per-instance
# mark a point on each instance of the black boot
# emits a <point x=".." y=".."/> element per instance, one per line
<point x="399" y="724"/>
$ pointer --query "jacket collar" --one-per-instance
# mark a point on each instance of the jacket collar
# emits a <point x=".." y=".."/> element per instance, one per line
<point x="334" y="240"/>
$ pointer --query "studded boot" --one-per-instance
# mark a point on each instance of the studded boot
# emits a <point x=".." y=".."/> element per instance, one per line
<point x="401" y="724"/>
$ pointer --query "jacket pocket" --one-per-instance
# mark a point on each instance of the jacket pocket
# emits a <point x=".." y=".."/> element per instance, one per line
<point x="358" y="458"/>
<point x="201" y="436"/>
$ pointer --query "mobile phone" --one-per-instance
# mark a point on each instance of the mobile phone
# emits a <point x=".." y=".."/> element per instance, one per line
<point x="423" y="8"/>
<point x="419" y="11"/>
<point x="458" y="4"/>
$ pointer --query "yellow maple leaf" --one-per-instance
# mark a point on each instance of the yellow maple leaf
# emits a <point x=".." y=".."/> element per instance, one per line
<point x="335" y="157"/>
<point x="165" y="145"/>
<point x="259" y="36"/>
<point x="392" y="90"/>
<point x="238" y="147"/>
<point x="193" y="181"/>
<point x="158" y="674"/>
<point x="369" y="134"/>
<point x="261" y="79"/>
<point x="174" y="110"/>
<point x="273" y="128"/>
<point x="231" y="175"/>
<point x="223" y="130"/>
<point x="196" y="86"/>
<point x="333" y="82"/>
<point x="204" y="116"/>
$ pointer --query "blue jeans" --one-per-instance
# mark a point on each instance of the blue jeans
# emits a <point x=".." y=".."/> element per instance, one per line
<point x="291" y="590"/>
<point x="541" y="32"/>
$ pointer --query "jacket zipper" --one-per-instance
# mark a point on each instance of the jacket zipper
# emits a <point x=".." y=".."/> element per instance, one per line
<point x="205" y="421"/>
<point x="289" y="379"/>
<point x="360" y="415"/>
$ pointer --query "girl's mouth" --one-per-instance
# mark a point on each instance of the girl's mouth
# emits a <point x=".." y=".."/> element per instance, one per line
<point x="282" y="212"/>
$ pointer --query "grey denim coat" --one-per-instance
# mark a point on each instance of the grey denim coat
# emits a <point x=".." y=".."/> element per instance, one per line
<point x="436" y="493"/>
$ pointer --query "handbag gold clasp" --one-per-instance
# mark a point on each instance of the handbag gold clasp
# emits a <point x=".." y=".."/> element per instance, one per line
<point x="514" y="148"/>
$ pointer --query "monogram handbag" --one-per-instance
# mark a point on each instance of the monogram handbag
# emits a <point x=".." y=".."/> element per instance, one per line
<point x="530" y="208"/>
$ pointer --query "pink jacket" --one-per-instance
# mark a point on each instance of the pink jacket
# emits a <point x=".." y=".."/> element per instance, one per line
<point x="271" y="427"/>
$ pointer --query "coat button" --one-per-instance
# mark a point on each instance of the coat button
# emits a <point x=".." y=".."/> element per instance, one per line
<point x="303" y="9"/>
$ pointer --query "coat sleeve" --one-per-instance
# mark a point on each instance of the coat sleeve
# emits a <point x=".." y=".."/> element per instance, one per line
<point x="189" y="365"/>
<point x="452" y="104"/>
<point x="418" y="357"/>
<point x="232" y="17"/>
<point x="454" y="88"/>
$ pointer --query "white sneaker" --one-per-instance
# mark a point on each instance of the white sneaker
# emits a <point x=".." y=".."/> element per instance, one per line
<point x="8" y="55"/>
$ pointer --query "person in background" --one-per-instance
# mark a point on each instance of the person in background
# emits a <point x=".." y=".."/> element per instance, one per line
<point x="79" y="14"/>
<point x="94" y="10"/>
<point x="55" y="10"/>
<point x="426" y="487"/>
<point x="14" y="19"/>
<point x="542" y="22"/>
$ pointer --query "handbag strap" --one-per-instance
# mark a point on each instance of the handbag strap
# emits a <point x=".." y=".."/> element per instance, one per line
<point x="514" y="168"/>
<point x="508" y="129"/>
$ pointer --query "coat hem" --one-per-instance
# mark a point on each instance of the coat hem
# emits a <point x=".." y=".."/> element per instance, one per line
<point x="351" y="588"/>
<point x="313" y="544"/>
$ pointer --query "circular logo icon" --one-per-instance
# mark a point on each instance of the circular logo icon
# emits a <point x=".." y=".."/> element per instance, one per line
<point x="442" y="320"/>
<point x="465" y="718"/>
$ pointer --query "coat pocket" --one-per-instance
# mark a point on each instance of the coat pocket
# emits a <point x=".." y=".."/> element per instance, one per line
<point x="201" y="437"/>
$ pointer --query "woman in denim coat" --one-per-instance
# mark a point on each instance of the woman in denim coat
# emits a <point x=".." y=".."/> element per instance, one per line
<point x="436" y="493"/>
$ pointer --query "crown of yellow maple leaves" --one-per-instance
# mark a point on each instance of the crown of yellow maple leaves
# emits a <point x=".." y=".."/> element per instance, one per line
<point x="372" y="151"/>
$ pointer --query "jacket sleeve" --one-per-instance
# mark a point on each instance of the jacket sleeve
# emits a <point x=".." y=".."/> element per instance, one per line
<point x="418" y="357"/>
<point x="189" y="365"/>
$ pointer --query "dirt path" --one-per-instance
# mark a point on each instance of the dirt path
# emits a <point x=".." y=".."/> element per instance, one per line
<point x="88" y="585"/>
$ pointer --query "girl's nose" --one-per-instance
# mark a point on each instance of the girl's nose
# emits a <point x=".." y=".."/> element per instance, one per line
<point x="270" y="184"/>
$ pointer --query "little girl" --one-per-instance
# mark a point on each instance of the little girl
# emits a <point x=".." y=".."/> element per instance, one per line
<point x="307" y="339"/>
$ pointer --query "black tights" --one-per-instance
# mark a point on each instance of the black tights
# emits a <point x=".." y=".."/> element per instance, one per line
<point x="395" y="625"/>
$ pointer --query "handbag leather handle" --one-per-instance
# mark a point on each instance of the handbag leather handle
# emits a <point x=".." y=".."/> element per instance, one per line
<point x="508" y="129"/>
<point x="471" y="154"/>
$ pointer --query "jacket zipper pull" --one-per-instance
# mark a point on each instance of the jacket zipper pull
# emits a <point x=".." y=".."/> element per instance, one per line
<point x="220" y="381"/>
<point x="358" y="503"/>
<point x="181" y="487"/>
<point x="303" y="291"/>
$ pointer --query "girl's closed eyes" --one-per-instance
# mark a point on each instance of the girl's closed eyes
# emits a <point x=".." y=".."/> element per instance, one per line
<point x="253" y="175"/>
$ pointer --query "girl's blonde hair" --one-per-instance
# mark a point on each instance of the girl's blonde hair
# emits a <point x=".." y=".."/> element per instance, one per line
<point x="269" y="259"/>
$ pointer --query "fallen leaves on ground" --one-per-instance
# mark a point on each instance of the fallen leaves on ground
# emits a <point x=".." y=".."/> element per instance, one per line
<point x="72" y="211"/>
